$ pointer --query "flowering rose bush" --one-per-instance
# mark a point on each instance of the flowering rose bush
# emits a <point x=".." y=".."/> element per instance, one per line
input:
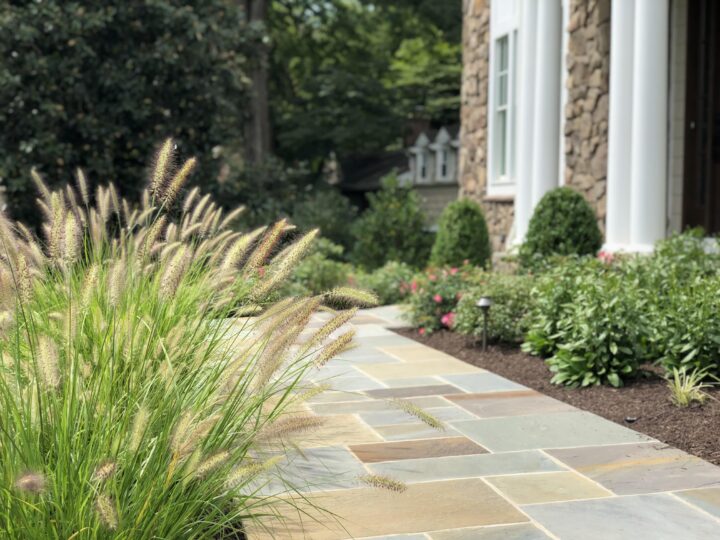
<point x="434" y="296"/>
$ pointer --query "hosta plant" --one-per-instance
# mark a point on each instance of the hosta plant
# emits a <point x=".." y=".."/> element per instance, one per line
<point x="131" y="404"/>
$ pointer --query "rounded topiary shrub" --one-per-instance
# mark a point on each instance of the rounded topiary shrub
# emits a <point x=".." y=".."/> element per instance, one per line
<point x="462" y="236"/>
<point x="563" y="224"/>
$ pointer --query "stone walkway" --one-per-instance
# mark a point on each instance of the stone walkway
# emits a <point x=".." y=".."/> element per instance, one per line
<point x="511" y="463"/>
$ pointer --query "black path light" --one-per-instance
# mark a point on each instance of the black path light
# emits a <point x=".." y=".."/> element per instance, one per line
<point x="484" y="304"/>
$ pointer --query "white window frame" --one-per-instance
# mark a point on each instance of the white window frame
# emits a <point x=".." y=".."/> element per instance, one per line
<point x="503" y="25"/>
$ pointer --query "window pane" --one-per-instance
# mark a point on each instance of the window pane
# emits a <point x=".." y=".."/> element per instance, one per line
<point x="502" y="52"/>
<point x="500" y="142"/>
<point x="502" y="90"/>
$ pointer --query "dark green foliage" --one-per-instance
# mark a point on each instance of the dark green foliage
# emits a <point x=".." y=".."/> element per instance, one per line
<point x="508" y="316"/>
<point x="462" y="236"/>
<point x="392" y="229"/>
<point x="562" y="224"/>
<point x="268" y="190"/>
<point x="347" y="76"/>
<point x="551" y="296"/>
<point x="598" y="322"/>
<point x="391" y="282"/>
<point x="603" y="334"/>
<point x="326" y="209"/>
<point x="320" y="271"/>
<point x="98" y="84"/>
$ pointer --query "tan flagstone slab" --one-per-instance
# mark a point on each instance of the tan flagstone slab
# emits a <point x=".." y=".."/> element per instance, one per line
<point x="417" y="353"/>
<point x="331" y="396"/>
<point x="412" y="391"/>
<point x="417" y="369"/>
<point x="640" y="468"/>
<point x="373" y="512"/>
<point x="424" y="402"/>
<point x="509" y="403"/>
<point x="404" y="432"/>
<point x="391" y="451"/>
<point x="706" y="498"/>
<point x="367" y="319"/>
<point x="340" y="429"/>
<point x="547" y="487"/>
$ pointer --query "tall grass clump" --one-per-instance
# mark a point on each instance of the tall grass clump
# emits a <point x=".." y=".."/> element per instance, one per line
<point x="136" y="399"/>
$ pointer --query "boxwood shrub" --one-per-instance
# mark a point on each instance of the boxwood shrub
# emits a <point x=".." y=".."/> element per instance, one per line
<point x="562" y="224"/>
<point x="462" y="236"/>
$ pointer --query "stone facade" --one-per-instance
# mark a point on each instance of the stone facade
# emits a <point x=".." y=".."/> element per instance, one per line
<point x="586" y="111"/>
<point x="584" y="121"/>
<point x="473" y="115"/>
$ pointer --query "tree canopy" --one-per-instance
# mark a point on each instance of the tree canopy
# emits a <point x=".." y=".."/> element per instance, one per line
<point x="347" y="75"/>
<point x="98" y="84"/>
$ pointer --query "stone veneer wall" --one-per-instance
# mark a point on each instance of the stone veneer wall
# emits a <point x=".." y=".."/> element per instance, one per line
<point x="586" y="111"/>
<point x="473" y="116"/>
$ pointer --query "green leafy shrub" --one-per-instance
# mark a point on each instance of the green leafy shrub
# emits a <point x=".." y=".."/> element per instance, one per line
<point x="508" y="316"/>
<point x="687" y="328"/>
<point x="182" y="69"/>
<point x="321" y="270"/>
<point x="602" y="335"/>
<point x="462" y="236"/>
<point x="562" y="224"/>
<point x="392" y="229"/>
<point x="131" y="406"/>
<point x="391" y="282"/>
<point x="328" y="211"/>
<point x="435" y="294"/>
<point x="552" y="295"/>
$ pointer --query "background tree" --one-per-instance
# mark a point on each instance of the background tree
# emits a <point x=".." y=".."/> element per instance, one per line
<point x="347" y="75"/>
<point x="97" y="84"/>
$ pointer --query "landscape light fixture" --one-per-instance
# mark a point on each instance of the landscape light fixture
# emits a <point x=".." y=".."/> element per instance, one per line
<point x="484" y="304"/>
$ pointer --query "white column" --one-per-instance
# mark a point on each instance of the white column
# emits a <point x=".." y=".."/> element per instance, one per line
<point x="525" y="124"/>
<point x="620" y="126"/>
<point x="649" y="124"/>
<point x="546" y="128"/>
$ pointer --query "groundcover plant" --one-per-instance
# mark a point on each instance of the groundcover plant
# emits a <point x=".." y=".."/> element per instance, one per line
<point x="137" y="399"/>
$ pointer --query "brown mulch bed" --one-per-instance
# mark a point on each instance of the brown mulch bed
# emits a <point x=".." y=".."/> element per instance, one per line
<point x="643" y="405"/>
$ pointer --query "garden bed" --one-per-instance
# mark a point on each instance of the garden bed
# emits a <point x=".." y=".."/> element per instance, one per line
<point x="647" y="399"/>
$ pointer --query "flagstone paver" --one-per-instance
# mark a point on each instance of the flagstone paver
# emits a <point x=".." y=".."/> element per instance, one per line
<point x="423" y="448"/>
<point x="511" y="463"/>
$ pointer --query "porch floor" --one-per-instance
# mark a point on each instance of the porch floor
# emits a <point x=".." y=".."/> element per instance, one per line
<point x="511" y="463"/>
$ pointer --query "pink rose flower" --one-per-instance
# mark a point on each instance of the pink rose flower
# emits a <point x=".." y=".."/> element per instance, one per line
<point x="605" y="257"/>
<point x="437" y="298"/>
<point x="432" y="277"/>
<point x="453" y="271"/>
<point x="448" y="319"/>
<point x="413" y="286"/>
<point x="421" y="331"/>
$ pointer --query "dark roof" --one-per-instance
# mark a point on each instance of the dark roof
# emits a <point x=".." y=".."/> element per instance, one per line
<point x="453" y="130"/>
<point x="363" y="173"/>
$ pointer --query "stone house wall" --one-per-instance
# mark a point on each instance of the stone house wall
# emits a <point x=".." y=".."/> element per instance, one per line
<point x="586" y="111"/>
<point x="585" y="118"/>
<point x="474" y="125"/>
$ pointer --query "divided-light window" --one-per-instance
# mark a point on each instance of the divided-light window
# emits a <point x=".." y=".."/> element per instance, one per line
<point x="503" y="100"/>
